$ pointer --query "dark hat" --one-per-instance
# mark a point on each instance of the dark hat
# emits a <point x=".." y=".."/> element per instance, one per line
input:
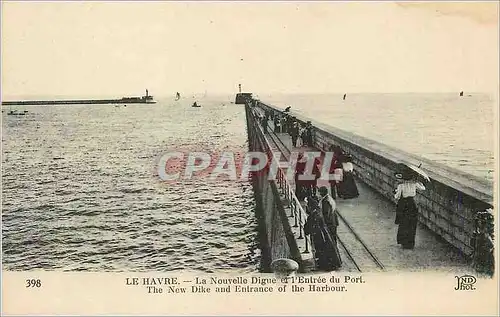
<point x="347" y="158"/>
<point x="337" y="149"/>
<point x="312" y="203"/>
<point x="407" y="174"/>
<point x="403" y="172"/>
<point x="323" y="190"/>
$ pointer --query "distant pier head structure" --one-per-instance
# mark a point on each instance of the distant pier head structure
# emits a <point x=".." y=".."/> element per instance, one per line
<point x="146" y="99"/>
<point x="242" y="97"/>
<point x="455" y="211"/>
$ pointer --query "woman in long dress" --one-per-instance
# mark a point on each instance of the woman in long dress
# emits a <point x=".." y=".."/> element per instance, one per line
<point x="335" y="168"/>
<point x="347" y="188"/>
<point x="300" y="141"/>
<point x="300" y="186"/>
<point x="406" y="210"/>
<point x="325" y="250"/>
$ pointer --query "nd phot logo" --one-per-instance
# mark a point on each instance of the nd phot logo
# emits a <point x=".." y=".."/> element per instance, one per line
<point x="465" y="283"/>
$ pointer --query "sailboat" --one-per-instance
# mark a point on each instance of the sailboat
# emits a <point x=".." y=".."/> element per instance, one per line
<point x="177" y="96"/>
<point x="196" y="105"/>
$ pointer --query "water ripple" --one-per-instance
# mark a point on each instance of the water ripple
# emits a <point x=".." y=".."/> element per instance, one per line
<point x="83" y="195"/>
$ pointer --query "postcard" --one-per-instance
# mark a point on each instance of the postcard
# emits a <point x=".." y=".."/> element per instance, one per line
<point x="249" y="158"/>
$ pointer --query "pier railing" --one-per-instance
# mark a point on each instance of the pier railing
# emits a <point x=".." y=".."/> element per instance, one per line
<point x="296" y="211"/>
<point x="449" y="207"/>
<point x="279" y="237"/>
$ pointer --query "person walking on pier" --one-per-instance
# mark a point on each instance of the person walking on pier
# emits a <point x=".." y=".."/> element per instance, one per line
<point x="325" y="254"/>
<point x="294" y="133"/>
<point x="300" y="168"/>
<point x="305" y="184"/>
<point x="328" y="207"/>
<point x="347" y="188"/>
<point x="264" y="122"/>
<point x="282" y="124"/>
<point x="329" y="212"/>
<point x="276" y="123"/>
<point x="300" y="129"/>
<point x="406" y="209"/>
<point x="335" y="168"/>
<point x="307" y="135"/>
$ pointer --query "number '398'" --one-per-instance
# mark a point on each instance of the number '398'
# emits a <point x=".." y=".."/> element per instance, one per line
<point x="33" y="283"/>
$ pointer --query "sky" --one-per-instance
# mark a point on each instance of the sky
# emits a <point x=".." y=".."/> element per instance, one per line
<point x="121" y="48"/>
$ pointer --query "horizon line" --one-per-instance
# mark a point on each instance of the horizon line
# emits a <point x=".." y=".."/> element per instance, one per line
<point x="250" y="91"/>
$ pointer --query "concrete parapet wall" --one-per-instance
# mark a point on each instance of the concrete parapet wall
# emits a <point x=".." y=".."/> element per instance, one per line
<point x="448" y="206"/>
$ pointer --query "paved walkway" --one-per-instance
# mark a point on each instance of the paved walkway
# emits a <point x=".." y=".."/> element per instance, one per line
<point x="372" y="217"/>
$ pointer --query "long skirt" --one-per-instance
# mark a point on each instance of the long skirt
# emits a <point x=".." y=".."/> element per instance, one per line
<point x="335" y="253"/>
<point x="407" y="218"/>
<point x="300" y="143"/>
<point x="347" y="188"/>
<point x="300" y="191"/>
<point x="327" y="255"/>
<point x="333" y="192"/>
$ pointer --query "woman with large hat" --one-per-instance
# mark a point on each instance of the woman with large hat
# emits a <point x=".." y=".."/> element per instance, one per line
<point x="406" y="209"/>
<point x="347" y="188"/>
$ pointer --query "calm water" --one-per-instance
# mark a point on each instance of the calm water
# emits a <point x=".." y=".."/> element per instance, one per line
<point x="81" y="190"/>
<point x="456" y="131"/>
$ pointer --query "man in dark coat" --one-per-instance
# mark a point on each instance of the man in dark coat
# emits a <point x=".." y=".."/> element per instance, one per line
<point x="294" y="133"/>
<point x="328" y="208"/>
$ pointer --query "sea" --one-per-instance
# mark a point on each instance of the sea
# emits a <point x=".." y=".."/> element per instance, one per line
<point x="81" y="190"/>
<point x="444" y="127"/>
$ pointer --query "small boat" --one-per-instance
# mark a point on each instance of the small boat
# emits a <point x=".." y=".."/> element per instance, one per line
<point x="15" y="113"/>
<point x="177" y="96"/>
<point x="196" y="105"/>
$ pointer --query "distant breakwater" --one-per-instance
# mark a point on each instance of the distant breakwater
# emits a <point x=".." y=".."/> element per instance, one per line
<point x="123" y="100"/>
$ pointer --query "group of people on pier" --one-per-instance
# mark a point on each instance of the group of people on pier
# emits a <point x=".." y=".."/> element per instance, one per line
<point x="322" y="220"/>
<point x="344" y="186"/>
<point x="284" y="122"/>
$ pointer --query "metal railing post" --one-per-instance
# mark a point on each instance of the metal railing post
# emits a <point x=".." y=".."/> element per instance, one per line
<point x="286" y="188"/>
<point x="287" y="193"/>
<point x="295" y="215"/>
<point x="301" y="226"/>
